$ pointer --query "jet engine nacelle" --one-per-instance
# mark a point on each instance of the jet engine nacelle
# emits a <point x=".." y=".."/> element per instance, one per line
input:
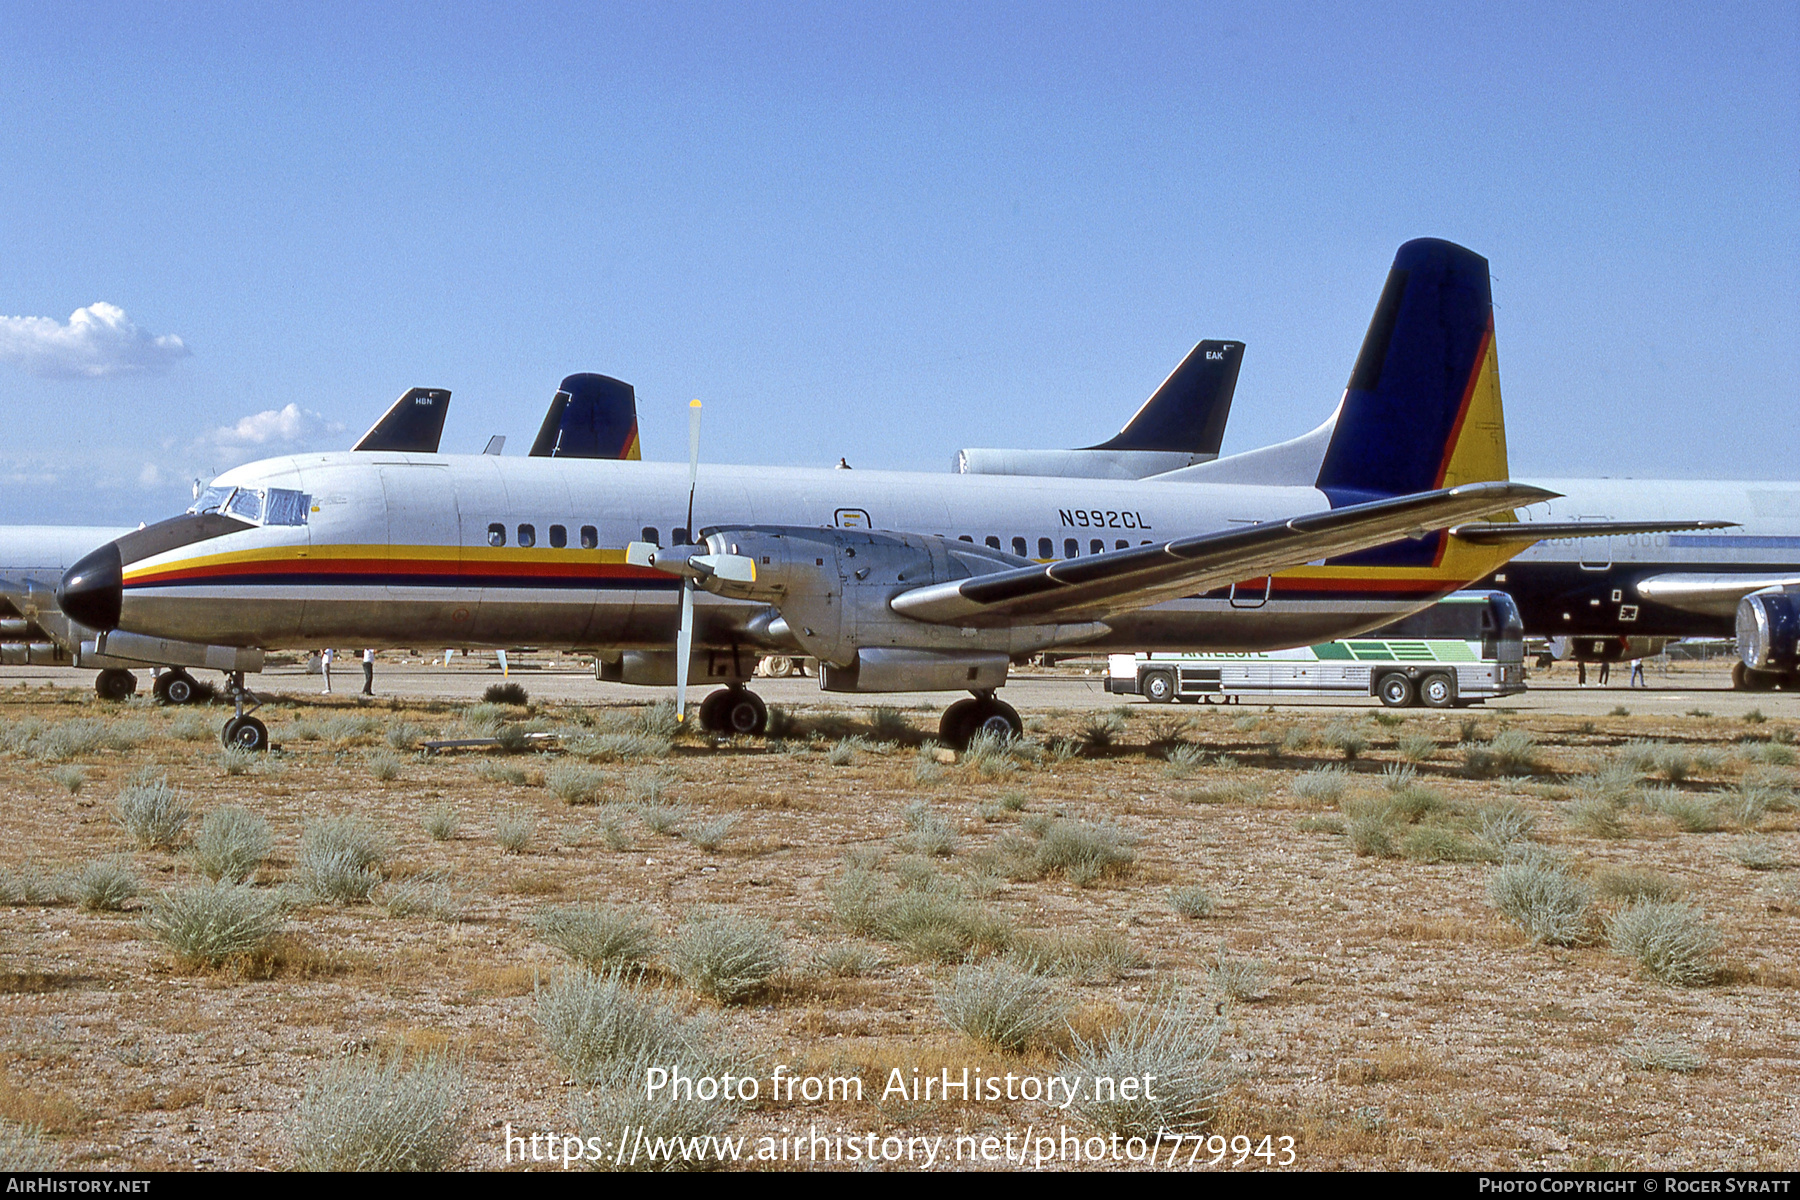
<point x="833" y="588"/>
<point x="1768" y="631"/>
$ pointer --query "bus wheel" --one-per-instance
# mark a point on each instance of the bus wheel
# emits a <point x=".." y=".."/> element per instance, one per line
<point x="1437" y="691"/>
<point x="1395" y="690"/>
<point x="1159" y="687"/>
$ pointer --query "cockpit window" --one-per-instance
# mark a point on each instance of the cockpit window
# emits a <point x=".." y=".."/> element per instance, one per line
<point x="256" y="506"/>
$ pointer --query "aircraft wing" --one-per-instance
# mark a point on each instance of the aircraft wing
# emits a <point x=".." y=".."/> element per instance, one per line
<point x="1088" y="589"/>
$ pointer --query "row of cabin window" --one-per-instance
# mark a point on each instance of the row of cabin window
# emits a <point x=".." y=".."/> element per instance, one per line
<point x="590" y="539"/>
<point x="559" y="536"/>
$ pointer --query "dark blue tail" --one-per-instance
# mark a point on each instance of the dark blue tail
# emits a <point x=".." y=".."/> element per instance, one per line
<point x="592" y="416"/>
<point x="1187" y="413"/>
<point x="1422" y="409"/>
<point x="413" y="424"/>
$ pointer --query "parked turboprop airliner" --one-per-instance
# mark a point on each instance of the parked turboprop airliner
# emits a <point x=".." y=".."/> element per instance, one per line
<point x="894" y="581"/>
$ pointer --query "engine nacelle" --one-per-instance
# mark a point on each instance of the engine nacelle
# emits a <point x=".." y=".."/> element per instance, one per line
<point x="915" y="671"/>
<point x="833" y="588"/>
<point x="656" y="668"/>
<point x="33" y="654"/>
<point x="1768" y="631"/>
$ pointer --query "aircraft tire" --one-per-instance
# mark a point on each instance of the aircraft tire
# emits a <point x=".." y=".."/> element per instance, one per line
<point x="950" y="726"/>
<point x="1395" y="690"/>
<point x="778" y="666"/>
<point x="176" y="687"/>
<point x="1159" y="687"/>
<point x="741" y="712"/>
<point x="115" y="683"/>
<point x="1437" y="691"/>
<point x="1758" y="681"/>
<point x="994" y="717"/>
<point x="709" y="711"/>
<point x="245" y="733"/>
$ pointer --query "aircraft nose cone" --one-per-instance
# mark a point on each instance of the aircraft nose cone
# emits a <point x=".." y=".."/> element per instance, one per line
<point x="93" y="590"/>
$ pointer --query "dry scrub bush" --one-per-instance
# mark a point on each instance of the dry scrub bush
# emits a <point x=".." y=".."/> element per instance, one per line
<point x="441" y="823"/>
<point x="1692" y="814"/>
<point x="1079" y="851"/>
<point x="362" y="1114"/>
<point x="1099" y="956"/>
<point x="1418" y="747"/>
<point x="1165" y="1039"/>
<point x="604" y="1030"/>
<point x="709" y="835"/>
<point x="24" y="1149"/>
<point x="1757" y="854"/>
<point x="727" y="958"/>
<point x="889" y="724"/>
<point x="1670" y="939"/>
<point x="1236" y="978"/>
<point x="210" y="923"/>
<point x="846" y="961"/>
<point x="1181" y="761"/>
<point x="1663" y="1054"/>
<point x="514" y="831"/>
<point x="1537" y="892"/>
<point x="70" y="778"/>
<point x="340" y="859"/>
<point x="598" y="936"/>
<point x="26" y="884"/>
<point x="430" y="896"/>
<point x="1598" y="817"/>
<point x="231" y="843"/>
<point x="151" y="811"/>
<point x="1504" y="823"/>
<point x="1192" y="902"/>
<point x="385" y="765"/>
<point x="927" y="833"/>
<point x="1100" y="730"/>
<point x="1326" y="785"/>
<point x="1346" y="739"/>
<point x="1002" y="1007"/>
<point x="574" y="783"/>
<point x="105" y="886"/>
<point x="1635" y="883"/>
<point x="928" y="922"/>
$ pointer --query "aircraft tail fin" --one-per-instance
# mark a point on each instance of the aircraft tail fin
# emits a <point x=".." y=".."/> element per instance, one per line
<point x="1422" y="409"/>
<point x="1187" y="413"/>
<point x="413" y="424"/>
<point x="592" y="416"/>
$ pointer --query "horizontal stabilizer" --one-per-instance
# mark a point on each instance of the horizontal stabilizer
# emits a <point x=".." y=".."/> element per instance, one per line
<point x="1123" y="580"/>
<point x="413" y="425"/>
<point x="1497" y="533"/>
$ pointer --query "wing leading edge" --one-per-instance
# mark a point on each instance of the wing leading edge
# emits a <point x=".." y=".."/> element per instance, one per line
<point x="1090" y="588"/>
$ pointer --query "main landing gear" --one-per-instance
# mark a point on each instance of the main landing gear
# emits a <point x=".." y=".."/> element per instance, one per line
<point x="243" y="731"/>
<point x="734" y="710"/>
<point x="176" y="687"/>
<point x="963" y="721"/>
<point x="115" y="683"/>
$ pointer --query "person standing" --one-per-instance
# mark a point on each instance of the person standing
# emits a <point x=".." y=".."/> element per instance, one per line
<point x="368" y="673"/>
<point x="325" y="668"/>
<point x="1605" y="671"/>
<point x="1637" y="673"/>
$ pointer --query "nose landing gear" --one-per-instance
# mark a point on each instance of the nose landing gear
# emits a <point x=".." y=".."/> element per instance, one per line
<point x="243" y="731"/>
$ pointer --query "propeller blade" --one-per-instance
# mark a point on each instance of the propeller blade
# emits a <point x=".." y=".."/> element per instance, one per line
<point x="684" y="645"/>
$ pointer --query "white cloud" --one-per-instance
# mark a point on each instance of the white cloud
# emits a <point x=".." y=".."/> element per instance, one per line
<point x="288" y="427"/>
<point x="151" y="476"/>
<point x="99" y="340"/>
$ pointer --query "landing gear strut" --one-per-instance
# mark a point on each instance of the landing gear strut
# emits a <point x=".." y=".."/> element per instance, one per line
<point x="963" y="721"/>
<point x="734" y="710"/>
<point x="243" y="731"/>
<point x="115" y="683"/>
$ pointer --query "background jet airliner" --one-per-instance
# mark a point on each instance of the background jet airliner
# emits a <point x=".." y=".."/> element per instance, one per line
<point x="1623" y="565"/>
<point x="894" y="581"/>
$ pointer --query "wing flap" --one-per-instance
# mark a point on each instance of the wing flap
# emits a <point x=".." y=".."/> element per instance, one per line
<point x="1123" y="580"/>
<point x="1497" y="533"/>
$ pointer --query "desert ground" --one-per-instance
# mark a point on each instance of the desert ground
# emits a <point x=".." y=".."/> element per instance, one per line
<point x="1558" y="932"/>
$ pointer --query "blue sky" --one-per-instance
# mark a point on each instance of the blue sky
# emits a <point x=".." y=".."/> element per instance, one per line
<point x="881" y="232"/>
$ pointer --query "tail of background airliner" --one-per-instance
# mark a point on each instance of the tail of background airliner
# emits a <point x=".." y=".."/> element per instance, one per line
<point x="591" y="416"/>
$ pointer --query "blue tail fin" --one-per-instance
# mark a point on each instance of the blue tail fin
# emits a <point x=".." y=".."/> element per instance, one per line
<point x="1422" y="409"/>
<point x="414" y="423"/>
<point x="1187" y="413"/>
<point x="592" y="416"/>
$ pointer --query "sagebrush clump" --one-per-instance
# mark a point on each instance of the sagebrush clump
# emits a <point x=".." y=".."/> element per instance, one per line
<point x="365" y="1114"/>
<point x="1002" y="1007"/>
